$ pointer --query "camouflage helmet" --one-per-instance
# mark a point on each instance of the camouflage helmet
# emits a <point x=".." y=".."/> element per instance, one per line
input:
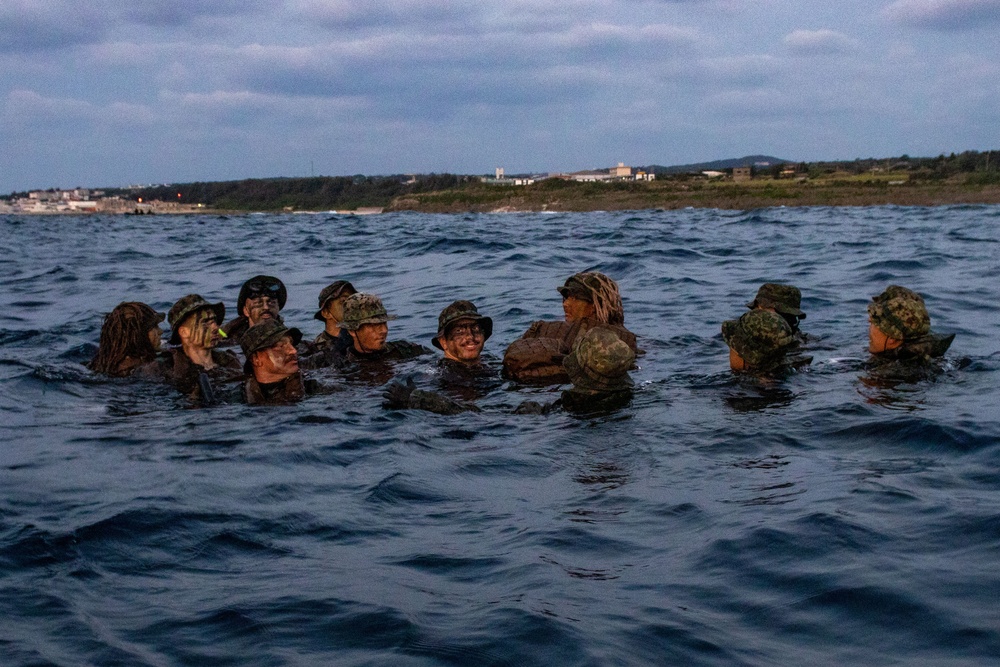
<point x="332" y="291"/>
<point x="457" y="311"/>
<point x="258" y="285"/>
<point x="186" y="306"/>
<point x="264" y="335"/>
<point x="759" y="337"/>
<point x="900" y="313"/>
<point x="785" y="299"/>
<point x="599" y="362"/>
<point x="362" y="309"/>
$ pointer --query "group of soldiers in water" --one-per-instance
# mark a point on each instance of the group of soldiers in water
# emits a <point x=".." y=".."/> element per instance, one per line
<point x="591" y="350"/>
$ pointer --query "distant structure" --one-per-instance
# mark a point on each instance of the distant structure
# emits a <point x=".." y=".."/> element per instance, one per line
<point x="502" y="179"/>
<point x="499" y="173"/>
<point x="741" y="174"/>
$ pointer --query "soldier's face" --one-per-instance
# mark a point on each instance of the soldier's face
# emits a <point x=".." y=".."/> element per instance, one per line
<point x="155" y="337"/>
<point x="201" y="330"/>
<point x="259" y="308"/>
<point x="878" y="341"/>
<point x="463" y="342"/>
<point x="576" y="309"/>
<point x="281" y="358"/>
<point x="370" y="337"/>
<point x="334" y="309"/>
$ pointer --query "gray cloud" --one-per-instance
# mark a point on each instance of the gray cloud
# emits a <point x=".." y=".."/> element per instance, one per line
<point x="944" y="14"/>
<point x="819" y="42"/>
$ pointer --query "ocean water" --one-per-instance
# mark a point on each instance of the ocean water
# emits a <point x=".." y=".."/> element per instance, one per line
<point x="822" y="520"/>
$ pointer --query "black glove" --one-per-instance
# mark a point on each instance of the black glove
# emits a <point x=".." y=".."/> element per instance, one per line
<point x="396" y="395"/>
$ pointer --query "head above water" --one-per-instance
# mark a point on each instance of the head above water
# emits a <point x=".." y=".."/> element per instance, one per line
<point x="262" y="286"/>
<point x="597" y="289"/>
<point x="264" y="336"/>
<point x="360" y="309"/>
<point x="599" y="362"/>
<point x="187" y="306"/>
<point x="340" y="289"/>
<point x="783" y="299"/>
<point x="130" y="331"/>
<point x="759" y="337"/>
<point x="899" y="313"/>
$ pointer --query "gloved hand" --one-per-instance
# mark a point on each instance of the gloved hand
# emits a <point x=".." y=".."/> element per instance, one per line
<point x="396" y="395"/>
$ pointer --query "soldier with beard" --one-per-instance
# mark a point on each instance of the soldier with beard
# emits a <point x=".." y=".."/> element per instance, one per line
<point x="272" y="369"/>
<point x="261" y="298"/>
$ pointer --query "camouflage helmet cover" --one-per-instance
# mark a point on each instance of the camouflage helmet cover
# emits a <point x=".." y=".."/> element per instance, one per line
<point x="599" y="362"/>
<point x="900" y="313"/>
<point x="266" y="334"/>
<point x="362" y="309"/>
<point x="759" y="336"/>
<point x="457" y="311"/>
<point x="785" y="299"/>
<point x="186" y="306"/>
<point x="332" y="291"/>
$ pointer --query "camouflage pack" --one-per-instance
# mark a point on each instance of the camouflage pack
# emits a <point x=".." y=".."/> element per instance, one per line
<point x="599" y="362"/>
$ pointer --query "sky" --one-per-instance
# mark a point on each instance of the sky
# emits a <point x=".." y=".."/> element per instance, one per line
<point x="109" y="93"/>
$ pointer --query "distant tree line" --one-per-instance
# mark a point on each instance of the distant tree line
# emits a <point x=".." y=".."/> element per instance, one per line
<point x="314" y="193"/>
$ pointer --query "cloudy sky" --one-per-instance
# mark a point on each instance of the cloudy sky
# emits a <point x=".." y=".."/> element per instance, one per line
<point x="105" y="92"/>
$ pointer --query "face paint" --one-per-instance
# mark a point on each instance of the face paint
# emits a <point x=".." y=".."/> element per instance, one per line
<point x="205" y="329"/>
<point x="283" y="357"/>
<point x="260" y="308"/>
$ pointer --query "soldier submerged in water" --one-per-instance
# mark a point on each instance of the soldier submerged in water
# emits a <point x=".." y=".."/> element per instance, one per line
<point x="130" y="337"/>
<point x="597" y="366"/>
<point x="272" y="369"/>
<point x="759" y="342"/>
<point x="785" y="300"/>
<point x="462" y="334"/>
<point x="899" y="335"/>
<point x="196" y="367"/>
<point x="590" y="299"/>
<point x="261" y="298"/>
<point x="331" y="312"/>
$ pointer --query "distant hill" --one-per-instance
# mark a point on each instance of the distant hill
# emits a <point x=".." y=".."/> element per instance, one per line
<point x="717" y="165"/>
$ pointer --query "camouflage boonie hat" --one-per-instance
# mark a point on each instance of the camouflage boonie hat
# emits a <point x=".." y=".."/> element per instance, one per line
<point x="759" y="337"/>
<point x="900" y="313"/>
<point x="362" y="309"/>
<point x="332" y="291"/>
<point x="461" y="310"/>
<point x="580" y="286"/>
<point x="785" y="299"/>
<point x="262" y="285"/>
<point x="188" y="305"/>
<point x="264" y="335"/>
<point x="599" y="362"/>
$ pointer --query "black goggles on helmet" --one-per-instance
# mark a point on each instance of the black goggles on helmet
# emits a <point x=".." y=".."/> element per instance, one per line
<point x="257" y="289"/>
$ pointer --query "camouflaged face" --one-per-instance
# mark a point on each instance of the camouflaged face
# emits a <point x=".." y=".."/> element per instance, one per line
<point x="266" y="334"/>
<point x="362" y="309"/>
<point x="600" y="361"/>
<point x="280" y="292"/>
<point x="900" y="313"/>
<point x="785" y="299"/>
<point x="187" y="305"/>
<point x="759" y="336"/>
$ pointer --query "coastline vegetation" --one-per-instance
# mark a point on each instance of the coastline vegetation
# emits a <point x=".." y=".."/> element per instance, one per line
<point x="971" y="177"/>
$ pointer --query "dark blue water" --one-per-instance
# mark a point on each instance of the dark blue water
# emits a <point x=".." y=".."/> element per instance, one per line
<point x="823" y="520"/>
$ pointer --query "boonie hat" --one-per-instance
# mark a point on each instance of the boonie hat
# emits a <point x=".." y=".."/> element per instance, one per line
<point x="332" y="291"/>
<point x="461" y="310"/>
<point x="900" y="313"/>
<point x="580" y="286"/>
<point x="187" y="305"/>
<point x="264" y="335"/>
<point x="362" y="309"/>
<point x="759" y="336"/>
<point x="257" y="285"/>
<point x="599" y="362"/>
<point x="785" y="299"/>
